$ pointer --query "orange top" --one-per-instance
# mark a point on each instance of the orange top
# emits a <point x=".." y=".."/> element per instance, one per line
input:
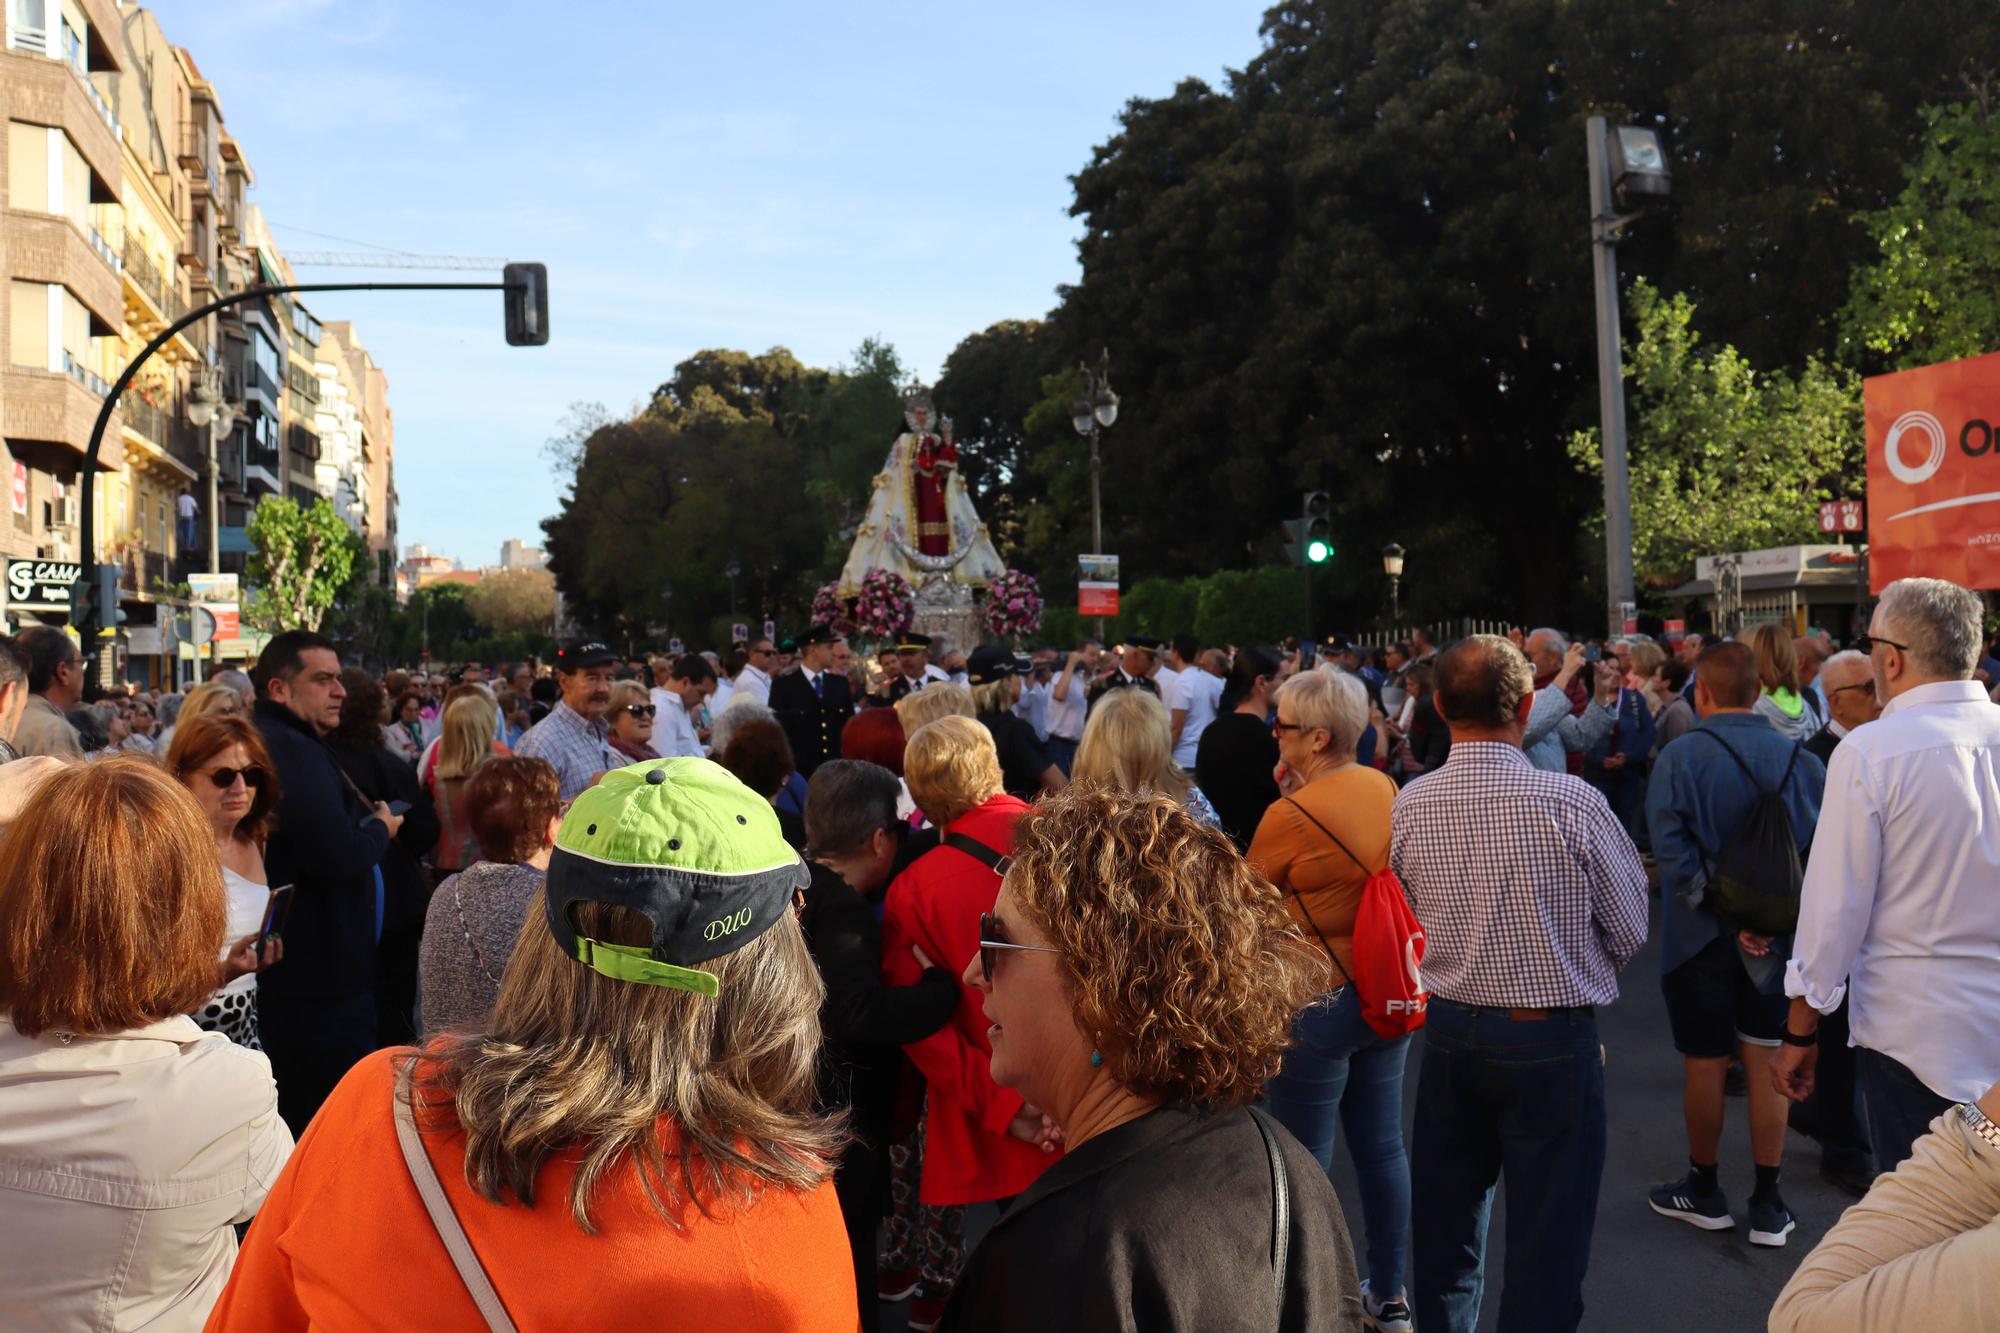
<point x="1291" y="852"/>
<point x="344" y="1242"/>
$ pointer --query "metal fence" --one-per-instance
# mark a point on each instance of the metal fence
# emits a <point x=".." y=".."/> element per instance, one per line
<point x="1441" y="632"/>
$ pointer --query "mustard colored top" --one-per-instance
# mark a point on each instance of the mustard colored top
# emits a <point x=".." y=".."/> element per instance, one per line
<point x="1294" y="854"/>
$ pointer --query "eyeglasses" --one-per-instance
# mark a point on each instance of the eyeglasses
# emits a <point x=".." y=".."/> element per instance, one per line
<point x="1278" y="728"/>
<point x="641" y="710"/>
<point x="1867" y="642"/>
<point x="992" y="940"/>
<point x="225" y="778"/>
<point x="1842" y="689"/>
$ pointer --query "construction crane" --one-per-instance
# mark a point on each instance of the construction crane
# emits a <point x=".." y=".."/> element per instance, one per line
<point x="388" y="259"/>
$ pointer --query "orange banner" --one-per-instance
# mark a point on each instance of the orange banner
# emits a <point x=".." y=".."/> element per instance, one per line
<point x="1934" y="473"/>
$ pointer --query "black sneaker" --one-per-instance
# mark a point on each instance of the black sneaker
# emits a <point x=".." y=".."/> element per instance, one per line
<point x="1770" y="1223"/>
<point x="1679" y="1199"/>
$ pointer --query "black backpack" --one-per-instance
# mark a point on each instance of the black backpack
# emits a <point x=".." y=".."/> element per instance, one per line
<point x="1754" y="880"/>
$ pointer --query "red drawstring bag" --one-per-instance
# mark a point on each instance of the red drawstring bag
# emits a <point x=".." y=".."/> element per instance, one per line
<point x="1388" y="949"/>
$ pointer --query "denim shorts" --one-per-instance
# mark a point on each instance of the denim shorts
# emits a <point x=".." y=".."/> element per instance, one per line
<point x="1712" y="1004"/>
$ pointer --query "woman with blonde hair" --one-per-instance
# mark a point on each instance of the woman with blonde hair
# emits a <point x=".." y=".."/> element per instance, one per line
<point x="1128" y="743"/>
<point x="203" y="700"/>
<point x="1781" y="703"/>
<point x="634" y="1128"/>
<point x="465" y="743"/>
<point x="1139" y="982"/>
<point x="940" y="699"/>
<point x="133" y="1143"/>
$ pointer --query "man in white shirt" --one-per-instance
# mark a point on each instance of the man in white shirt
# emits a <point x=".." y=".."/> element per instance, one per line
<point x="687" y="688"/>
<point x="1901" y="905"/>
<point x="1196" y="695"/>
<point x="1069" y="702"/>
<point x="1033" y="705"/>
<point x="754" y="680"/>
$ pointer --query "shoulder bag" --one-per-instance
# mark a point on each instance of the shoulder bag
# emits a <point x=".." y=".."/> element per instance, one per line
<point x="1281" y="1209"/>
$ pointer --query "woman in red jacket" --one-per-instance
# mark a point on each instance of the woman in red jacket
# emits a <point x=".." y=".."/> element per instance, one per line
<point x="980" y="1140"/>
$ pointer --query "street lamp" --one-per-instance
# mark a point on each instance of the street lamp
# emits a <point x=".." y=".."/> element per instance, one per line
<point x="1628" y="170"/>
<point x="1092" y="414"/>
<point x="1392" y="565"/>
<point x="208" y="411"/>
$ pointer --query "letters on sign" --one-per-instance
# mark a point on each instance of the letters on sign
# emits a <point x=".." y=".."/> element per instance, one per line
<point x="41" y="583"/>
<point x="1933" y="474"/>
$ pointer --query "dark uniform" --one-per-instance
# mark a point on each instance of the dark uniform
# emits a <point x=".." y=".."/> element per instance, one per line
<point x="812" y="718"/>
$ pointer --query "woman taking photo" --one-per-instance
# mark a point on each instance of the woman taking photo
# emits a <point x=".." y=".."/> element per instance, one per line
<point x="605" y="1166"/>
<point x="1234" y="760"/>
<point x="631" y="721"/>
<point x="222" y="762"/>
<point x="1147" y="1041"/>
<point x="1318" y="846"/>
<point x="111" y="913"/>
<point x="1128" y="743"/>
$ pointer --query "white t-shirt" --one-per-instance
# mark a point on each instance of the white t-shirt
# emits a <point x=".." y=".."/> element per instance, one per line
<point x="1199" y="692"/>
<point x="246" y="900"/>
<point x="185" y="506"/>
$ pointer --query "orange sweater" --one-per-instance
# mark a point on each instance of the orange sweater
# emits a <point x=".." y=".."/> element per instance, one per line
<point x="1297" y="857"/>
<point x="343" y="1242"/>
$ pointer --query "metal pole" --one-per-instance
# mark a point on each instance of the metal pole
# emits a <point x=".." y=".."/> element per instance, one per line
<point x="1096" y="505"/>
<point x="1604" y="229"/>
<point x="214" y="519"/>
<point x="1395" y="601"/>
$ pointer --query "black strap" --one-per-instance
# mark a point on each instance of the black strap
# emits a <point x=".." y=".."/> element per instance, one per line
<point x="1748" y="776"/>
<point x="1281" y="1210"/>
<point x="1299" y="898"/>
<point x="979" y="852"/>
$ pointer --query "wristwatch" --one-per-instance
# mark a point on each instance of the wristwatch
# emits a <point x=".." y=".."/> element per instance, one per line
<point x="1976" y="1121"/>
<point x="1792" y="1038"/>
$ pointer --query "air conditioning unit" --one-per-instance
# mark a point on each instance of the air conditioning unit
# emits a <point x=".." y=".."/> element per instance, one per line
<point x="66" y="511"/>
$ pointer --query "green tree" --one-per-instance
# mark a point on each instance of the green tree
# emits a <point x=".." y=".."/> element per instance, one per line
<point x="300" y="560"/>
<point x="1932" y="292"/>
<point x="513" y="601"/>
<point x="1723" y="458"/>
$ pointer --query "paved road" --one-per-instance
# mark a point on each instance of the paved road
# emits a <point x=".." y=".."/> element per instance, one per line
<point x="1646" y="1272"/>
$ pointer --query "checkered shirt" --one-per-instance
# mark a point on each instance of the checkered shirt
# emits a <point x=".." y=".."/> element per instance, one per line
<point x="1528" y="889"/>
<point x="578" y="750"/>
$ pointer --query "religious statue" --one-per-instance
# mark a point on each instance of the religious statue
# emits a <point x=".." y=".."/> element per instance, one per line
<point x="920" y="520"/>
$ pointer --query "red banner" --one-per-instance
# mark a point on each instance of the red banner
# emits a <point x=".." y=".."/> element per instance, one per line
<point x="1097" y="599"/>
<point x="1934" y="473"/>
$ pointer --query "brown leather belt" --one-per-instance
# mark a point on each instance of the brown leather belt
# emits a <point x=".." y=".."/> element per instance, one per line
<point x="1537" y="1015"/>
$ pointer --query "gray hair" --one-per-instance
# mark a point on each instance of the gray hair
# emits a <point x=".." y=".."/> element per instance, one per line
<point x="723" y="728"/>
<point x="1845" y="658"/>
<point x="235" y="680"/>
<point x="1334" y="700"/>
<point x="1557" y="639"/>
<point x="1940" y="622"/>
<point x="846" y="802"/>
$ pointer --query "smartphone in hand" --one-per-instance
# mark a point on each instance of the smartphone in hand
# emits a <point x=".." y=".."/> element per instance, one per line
<point x="399" y="808"/>
<point x="276" y="908"/>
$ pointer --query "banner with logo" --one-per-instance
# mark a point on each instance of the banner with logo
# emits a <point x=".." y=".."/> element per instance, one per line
<point x="221" y="594"/>
<point x="1097" y="585"/>
<point x="1934" y="473"/>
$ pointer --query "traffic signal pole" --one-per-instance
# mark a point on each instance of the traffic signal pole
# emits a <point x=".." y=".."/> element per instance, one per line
<point x="87" y="616"/>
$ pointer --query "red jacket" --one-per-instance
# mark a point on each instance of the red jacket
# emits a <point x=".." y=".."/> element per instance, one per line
<point x="969" y="1157"/>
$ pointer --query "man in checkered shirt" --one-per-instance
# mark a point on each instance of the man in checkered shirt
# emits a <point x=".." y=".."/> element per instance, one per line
<point x="574" y="738"/>
<point x="1532" y="898"/>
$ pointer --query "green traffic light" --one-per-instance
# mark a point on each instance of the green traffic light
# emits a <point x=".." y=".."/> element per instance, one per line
<point x="1317" y="552"/>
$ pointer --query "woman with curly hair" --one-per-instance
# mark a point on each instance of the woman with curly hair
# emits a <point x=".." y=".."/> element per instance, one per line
<point x="1141" y="981"/>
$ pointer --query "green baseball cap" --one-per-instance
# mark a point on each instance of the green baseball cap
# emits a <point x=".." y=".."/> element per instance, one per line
<point x="687" y="846"/>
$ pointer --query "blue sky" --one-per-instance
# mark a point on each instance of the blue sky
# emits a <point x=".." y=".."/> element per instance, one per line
<point x="694" y="176"/>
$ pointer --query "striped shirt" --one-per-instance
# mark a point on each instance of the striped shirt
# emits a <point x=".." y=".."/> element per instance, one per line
<point x="578" y="750"/>
<point x="1529" y="891"/>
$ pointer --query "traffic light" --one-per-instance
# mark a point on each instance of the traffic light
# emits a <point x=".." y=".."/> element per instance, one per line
<point x="93" y="603"/>
<point x="1316" y="528"/>
<point x="527" y="296"/>
<point x="1294" y="548"/>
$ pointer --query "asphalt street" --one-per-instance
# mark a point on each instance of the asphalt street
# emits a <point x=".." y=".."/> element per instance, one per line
<point x="1647" y="1272"/>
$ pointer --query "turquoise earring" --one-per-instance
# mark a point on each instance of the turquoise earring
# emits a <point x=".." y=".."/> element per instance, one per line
<point x="1096" y="1059"/>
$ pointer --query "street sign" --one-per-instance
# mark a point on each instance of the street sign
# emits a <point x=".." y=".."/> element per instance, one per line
<point x="1628" y="618"/>
<point x="196" y="627"/>
<point x="739" y="633"/>
<point x="675" y="646"/>
<point x="1097" y="585"/>
<point x="1842" y="516"/>
<point x="1676" y="631"/>
<point x="770" y="629"/>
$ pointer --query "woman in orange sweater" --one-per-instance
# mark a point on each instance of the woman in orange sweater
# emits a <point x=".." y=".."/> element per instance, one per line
<point x="1318" y="844"/>
<point x="631" y="1141"/>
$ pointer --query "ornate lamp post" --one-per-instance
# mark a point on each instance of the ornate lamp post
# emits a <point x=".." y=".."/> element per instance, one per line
<point x="208" y="412"/>
<point x="1392" y="565"/>
<point x="1093" y="413"/>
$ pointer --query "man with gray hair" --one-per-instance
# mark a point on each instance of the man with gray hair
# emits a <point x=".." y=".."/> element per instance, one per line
<point x="1899" y="912"/>
<point x="1567" y="718"/>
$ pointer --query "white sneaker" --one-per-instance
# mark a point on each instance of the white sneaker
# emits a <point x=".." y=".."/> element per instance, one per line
<point x="1390" y="1316"/>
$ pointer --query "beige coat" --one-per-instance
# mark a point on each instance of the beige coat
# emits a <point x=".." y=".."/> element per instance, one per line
<point x="44" y="730"/>
<point x="124" y="1162"/>
<point x="1922" y="1251"/>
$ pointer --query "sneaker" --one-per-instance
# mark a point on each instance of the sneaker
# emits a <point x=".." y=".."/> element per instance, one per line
<point x="1770" y="1223"/>
<point x="925" y="1312"/>
<point x="1390" y="1316"/>
<point x="892" y="1285"/>
<point x="1848" y="1177"/>
<point x="1679" y="1200"/>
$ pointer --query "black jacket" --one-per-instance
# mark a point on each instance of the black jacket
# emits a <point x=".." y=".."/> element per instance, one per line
<point x="383" y="775"/>
<point x="1821" y="745"/>
<point x="812" y="723"/>
<point x="1163" y="1225"/>
<point x="327" y="842"/>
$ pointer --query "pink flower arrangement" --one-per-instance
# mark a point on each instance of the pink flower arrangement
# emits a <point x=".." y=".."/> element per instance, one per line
<point x="830" y="609"/>
<point x="885" y="605"/>
<point x="1013" y="606"/>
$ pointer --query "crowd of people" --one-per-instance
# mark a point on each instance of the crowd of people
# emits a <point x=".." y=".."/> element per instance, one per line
<point x="533" y="997"/>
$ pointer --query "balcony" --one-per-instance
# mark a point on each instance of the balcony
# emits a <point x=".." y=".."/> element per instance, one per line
<point x="58" y="409"/>
<point x="302" y="442"/>
<point x="84" y="375"/>
<point x="43" y="247"/>
<point x="144" y="276"/>
<point x="144" y="419"/>
<point x="105" y="252"/>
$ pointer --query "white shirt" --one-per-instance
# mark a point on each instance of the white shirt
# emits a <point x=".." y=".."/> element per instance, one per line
<point x="1168" y="680"/>
<point x="1198" y="692"/>
<point x="1066" y="715"/>
<point x="124" y="1161"/>
<point x="754" y="683"/>
<point x="1901" y="904"/>
<point x="673" y="733"/>
<point x="185" y="506"/>
<point x="1033" y="708"/>
<point x="247" y="900"/>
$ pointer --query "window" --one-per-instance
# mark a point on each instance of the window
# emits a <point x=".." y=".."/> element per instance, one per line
<point x="28" y="25"/>
<point x="29" y="324"/>
<point x="266" y="357"/>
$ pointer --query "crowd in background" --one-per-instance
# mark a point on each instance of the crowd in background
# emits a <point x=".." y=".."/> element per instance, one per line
<point x="759" y="968"/>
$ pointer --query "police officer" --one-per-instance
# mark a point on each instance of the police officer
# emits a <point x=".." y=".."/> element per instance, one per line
<point x="814" y="702"/>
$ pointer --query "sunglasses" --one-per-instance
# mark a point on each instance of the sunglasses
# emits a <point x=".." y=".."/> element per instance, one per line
<point x="641" y="710"/>
<point x="225" y="778"/>
<point x="1867" y="643"/>
<point x="992" y="940"/>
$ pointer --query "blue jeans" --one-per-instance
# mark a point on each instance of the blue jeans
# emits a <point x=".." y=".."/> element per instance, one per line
<point x="1520" y="1101"/>
<point x="1062" y="753"/>
<point x="1338" y="1066"/>
<point x="1900" y="1105"/>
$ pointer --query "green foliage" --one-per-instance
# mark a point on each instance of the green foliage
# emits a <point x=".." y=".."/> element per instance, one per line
<point x="1933" y="291"/>
<point x="300" y="561"/>
<point x="1231" y="606"/>
<point x="1724" y="458"/>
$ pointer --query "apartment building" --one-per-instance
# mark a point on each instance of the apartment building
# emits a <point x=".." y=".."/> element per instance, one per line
<point x="342" y="472"/>
<point x="378" y="451"/>
<point x="61" y="173"/>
